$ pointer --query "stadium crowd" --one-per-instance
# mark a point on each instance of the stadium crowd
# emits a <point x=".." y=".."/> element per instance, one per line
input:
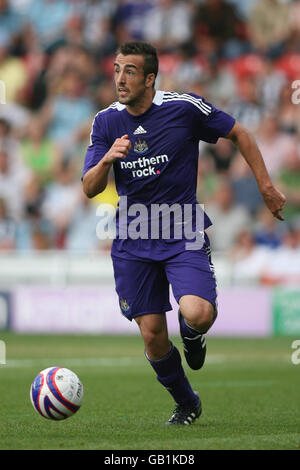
<point x="56" y="65"/>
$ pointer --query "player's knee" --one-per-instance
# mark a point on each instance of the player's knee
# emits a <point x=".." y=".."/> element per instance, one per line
<point x="153" y="329"/>
<point x="152" y="335"/>
<point x="200" y="317"/>
<point x="156" y="341"/>
<point x="204" y="321"/>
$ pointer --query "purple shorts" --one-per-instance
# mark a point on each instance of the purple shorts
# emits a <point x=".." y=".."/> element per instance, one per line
<point x="143" y="285"/>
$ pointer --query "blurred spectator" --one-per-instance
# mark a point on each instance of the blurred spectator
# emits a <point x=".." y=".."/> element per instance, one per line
<point x="81" y="234"/>
<point x="40" y="240"/>
<point x="221" y="84"/>
<point x="268" y="266"/>
<point x="269" y="26"/>
<point x="289" y="116"/>
<point x="275" y="146"/>
<point x="222" y="154"/>
<point x="33" y="221"/>
<point x="228" y="218"/>
<point x="189" y="69"/>
<point x="244" y="185"/>
<point x="243" y="7"/>
<point x="61" y="198"/>
<point x="294" y="20"/>
<point x="105" y="94"/>
<point x="268" y="231"/>
<point x="10" y="20"/>
<point x="7" y="229"/>
<point x="284" y="268"/>
<point x="13" y="177"/>
<point x="12" y="70"/>
<point x="4" y="132"/>
<point x="243" y="245"/>
<point x="21" y="6"/>
<point x="65" y="59"/>
<point x="73" y="31"/>
<point x="220" y="31"/>
<point x="17" y="116"/>
<point x="97" y="25"/>
<point x="46" y="81"/>
<point x="208" y="178"/>
<point x="168" y="24"/>
<point x="35" y="62"/>
<point x="7" y="140"/>
<point x="66" y="112"/>
<point x="38" y="151"/>
<point x="129" y="19"/>
<point x="289" y="182"/>
<point x="270" y="83"/>
<point x="48" y="19"/>
<point x="248" y="259"/>
<point x="246" y="106"/>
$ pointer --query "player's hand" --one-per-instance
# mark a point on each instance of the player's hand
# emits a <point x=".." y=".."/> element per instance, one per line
<point x="119" y="149"/>
<point x="274" y="200"/>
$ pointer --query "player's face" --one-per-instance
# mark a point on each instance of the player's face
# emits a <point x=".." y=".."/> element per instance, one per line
<point x="130" y="81"/>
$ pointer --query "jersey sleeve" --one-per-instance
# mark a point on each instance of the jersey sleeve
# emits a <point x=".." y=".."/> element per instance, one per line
<point x="98" y="144"/>
<point x="209" y="122"/>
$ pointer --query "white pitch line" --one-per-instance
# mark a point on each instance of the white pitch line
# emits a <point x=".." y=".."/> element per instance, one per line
<point x="120" y="361"/>
<point x="89" y="361"/>
<point x="73" y="362"/>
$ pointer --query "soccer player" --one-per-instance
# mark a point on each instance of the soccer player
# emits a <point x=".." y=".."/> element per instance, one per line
<point x="151" y="139"/>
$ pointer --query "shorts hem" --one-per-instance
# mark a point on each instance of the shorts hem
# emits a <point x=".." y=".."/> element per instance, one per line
<point x="212" y="302"/>
<point x="167" y="308"/>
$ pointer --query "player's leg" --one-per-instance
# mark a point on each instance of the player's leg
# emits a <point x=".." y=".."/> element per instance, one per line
<point x="143" y="288"/>
<point x="165" y="359"/>
<point x="191" y="274"/>
<point x="154" y="331"/>
<point x="196" y="315"/>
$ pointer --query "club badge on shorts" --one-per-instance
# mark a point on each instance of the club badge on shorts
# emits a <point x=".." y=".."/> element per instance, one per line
<point x="124" y="305"/>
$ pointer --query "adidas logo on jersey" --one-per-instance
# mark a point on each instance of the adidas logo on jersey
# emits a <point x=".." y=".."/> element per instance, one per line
<point x="140" y="130"/>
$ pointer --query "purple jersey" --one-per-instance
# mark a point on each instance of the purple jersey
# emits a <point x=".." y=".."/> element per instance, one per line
<point x="161" y="166"/>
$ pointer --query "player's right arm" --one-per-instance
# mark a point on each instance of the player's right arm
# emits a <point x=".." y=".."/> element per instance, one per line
<point x="95" y="179"/>
<point x="273" y="198"/>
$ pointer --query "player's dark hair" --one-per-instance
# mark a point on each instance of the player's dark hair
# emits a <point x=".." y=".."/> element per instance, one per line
<point x="146" y="50"/>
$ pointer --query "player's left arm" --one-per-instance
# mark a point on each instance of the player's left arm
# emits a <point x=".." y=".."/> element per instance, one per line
<point x="246" y="144"/>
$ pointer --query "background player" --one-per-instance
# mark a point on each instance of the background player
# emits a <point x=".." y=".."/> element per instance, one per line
<point x="155" y="123"/>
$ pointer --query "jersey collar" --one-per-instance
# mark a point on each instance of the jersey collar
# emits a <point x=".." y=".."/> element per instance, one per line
<point x="158" y="97"/>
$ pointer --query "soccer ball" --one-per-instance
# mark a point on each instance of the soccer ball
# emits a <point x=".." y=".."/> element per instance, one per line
<point x="56" y="393"/>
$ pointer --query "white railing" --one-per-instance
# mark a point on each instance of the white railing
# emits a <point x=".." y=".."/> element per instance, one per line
<point x="66" y="268"/>
<point x="54" y="268"/>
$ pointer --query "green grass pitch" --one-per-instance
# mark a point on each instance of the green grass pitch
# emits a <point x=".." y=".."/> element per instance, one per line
<point x="249" y="389"/>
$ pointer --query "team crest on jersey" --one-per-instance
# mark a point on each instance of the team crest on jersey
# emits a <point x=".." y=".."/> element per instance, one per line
<point x="140" y="146"/>
<point x="124" y="305"/>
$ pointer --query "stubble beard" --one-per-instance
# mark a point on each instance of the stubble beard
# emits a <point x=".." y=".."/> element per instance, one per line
<point x="132" y="100"/>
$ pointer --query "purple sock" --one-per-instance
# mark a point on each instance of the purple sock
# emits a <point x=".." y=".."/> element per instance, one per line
<point x="171" y="375"/>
